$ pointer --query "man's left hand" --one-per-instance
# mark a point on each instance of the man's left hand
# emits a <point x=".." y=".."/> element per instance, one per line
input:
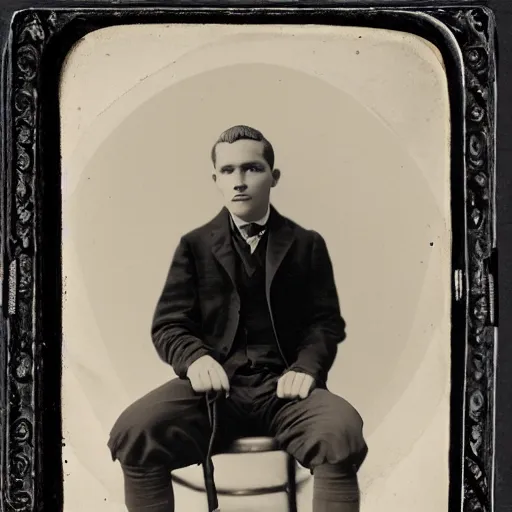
<point x="294" y="385"/>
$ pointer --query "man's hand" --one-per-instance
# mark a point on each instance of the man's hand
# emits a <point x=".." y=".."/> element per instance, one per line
<point x="206" y="374"/>
<point x="294" y="385"/>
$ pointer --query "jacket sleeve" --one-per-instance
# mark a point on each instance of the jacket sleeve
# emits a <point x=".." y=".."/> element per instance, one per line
<point x="176" y="327"/>
<point x="325" y="329"/>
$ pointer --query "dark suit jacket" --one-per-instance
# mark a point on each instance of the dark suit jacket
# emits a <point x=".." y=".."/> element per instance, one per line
<point x="198" y="310"/>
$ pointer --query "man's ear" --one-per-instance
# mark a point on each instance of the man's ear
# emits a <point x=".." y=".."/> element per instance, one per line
<point x="214" y="177"/>
<point x="276" y="174"/>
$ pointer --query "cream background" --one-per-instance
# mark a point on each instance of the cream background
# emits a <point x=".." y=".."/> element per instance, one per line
<point x="359" y="121"/>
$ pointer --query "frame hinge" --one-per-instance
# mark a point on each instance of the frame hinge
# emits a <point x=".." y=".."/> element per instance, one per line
<point x="458" y="284"/>
<point x="491" y="267"/>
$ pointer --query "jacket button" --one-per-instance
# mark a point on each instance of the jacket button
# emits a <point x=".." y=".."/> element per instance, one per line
<point x="224" y="349"/>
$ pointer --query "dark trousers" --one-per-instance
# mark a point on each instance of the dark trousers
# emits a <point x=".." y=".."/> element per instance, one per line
<point x="169" y="427"/>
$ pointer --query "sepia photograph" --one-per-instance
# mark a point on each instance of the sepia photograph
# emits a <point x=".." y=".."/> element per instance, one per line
<point x="249" y="259"/>
<point x="256" y="251"/>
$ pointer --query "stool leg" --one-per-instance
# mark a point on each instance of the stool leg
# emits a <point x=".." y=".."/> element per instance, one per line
<point x="292" y="483"/>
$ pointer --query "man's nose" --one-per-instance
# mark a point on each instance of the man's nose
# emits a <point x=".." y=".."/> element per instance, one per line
<point x="239" y="181"/>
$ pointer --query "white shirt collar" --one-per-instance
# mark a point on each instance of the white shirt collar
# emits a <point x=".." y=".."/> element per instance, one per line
<point x="240" y="222"/>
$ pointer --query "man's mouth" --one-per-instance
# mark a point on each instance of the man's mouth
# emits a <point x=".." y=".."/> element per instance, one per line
<point x="241" y="197"/>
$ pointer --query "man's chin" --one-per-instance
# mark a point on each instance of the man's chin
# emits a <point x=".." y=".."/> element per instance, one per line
<point x="242" y="209"/>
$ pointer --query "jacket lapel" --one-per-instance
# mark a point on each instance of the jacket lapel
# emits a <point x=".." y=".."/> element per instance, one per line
<point x="221" y="243"/>
<point x="280" y="238"/>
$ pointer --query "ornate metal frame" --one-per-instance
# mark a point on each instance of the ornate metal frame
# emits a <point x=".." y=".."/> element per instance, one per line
<point x="30" y="323"/>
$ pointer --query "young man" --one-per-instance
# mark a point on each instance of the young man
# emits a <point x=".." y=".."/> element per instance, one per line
<point x="249" y="309"/>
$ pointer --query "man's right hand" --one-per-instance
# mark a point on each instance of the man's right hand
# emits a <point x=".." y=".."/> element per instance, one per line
<point x="206" y="374"/>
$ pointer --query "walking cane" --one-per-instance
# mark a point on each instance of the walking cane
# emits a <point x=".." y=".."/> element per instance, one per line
<point x="211" y="491"/>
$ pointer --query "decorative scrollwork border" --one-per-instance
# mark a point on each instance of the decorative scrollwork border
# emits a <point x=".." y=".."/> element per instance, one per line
<point x="474" y="30"/>
<point x="23" y="354"/>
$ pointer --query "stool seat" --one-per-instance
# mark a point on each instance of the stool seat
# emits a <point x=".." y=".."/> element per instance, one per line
<point x="257" y="445"/>
<point x="253" y="445"/>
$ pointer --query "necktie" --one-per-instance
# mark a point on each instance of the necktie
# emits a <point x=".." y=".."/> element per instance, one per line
<point x="252" y="229"/>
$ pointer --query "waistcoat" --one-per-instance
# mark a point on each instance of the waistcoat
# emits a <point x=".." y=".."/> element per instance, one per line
<point x="255" y="344"/>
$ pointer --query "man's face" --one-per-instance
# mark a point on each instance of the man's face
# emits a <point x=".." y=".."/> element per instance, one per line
<point x="244" y="178"/>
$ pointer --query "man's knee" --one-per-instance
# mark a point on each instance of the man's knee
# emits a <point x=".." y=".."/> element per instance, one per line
<point x="351" y="421"/>
<point x="335" y="413"/>
<point x="155" y="429"/>
<point x="340" y="431"/>
<point x="133" y="425"/>
<point x="132" y="420"/>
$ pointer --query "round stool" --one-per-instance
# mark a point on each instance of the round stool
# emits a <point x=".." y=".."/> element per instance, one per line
<point x="258" y="445"/>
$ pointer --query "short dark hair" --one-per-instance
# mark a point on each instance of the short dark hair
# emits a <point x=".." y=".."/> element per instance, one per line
<point x="241" y="132"/>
